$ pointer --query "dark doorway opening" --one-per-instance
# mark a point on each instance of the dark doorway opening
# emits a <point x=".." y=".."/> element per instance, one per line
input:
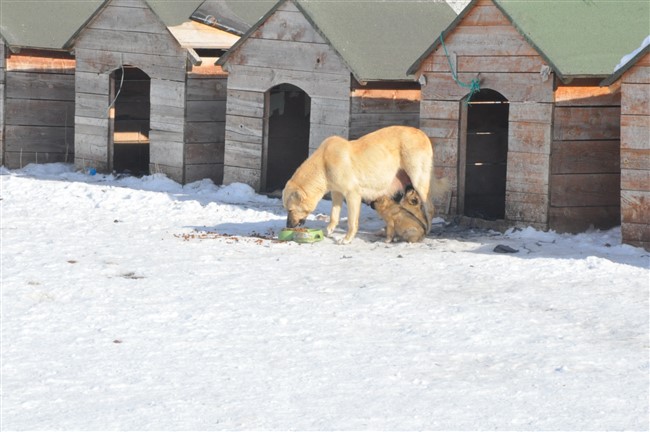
<point x="130" y="120"/>
<point x="486" y="156"/>
<point x="287" y="146"/>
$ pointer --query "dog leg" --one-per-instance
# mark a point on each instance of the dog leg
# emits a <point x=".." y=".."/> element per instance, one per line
<point x="390" y="231"/>
<point x="335" y="214"/>
<point x="353" y="201"/>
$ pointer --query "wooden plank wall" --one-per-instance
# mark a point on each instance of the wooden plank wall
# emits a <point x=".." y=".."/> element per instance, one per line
<point x="635" y="154"/>
<point x="2" y="102"/>
<point x="128" y="32"/>
<point x="286" y="49"/>
<point x="487" y="46"/>
<point x="205" y="126"/>
<point x="38" y="108"/>
<point x="585" y="163"/>
<point x="372" y="109"/>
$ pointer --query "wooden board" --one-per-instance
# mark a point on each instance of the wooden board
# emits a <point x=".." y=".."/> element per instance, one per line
<point x="636" y="180"/>
<point x="580" y="219"/>
<point x="586" y="123"/>
<point x="585" y="157"/>
<point x="585" y="190"/>
<point x="635" y="99"/>
<point x="635" y="132"/>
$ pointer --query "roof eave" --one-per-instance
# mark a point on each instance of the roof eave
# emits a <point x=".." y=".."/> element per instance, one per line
<point x="611" y="79"/>
<point x="224" y="58"/>
<point x="412" y="70"/>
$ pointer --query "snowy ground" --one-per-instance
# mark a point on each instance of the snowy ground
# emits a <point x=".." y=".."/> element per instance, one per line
<point x="139" y="304"/>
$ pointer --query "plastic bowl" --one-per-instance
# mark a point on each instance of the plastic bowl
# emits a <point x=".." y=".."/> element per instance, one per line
<point x="301" y="235"/>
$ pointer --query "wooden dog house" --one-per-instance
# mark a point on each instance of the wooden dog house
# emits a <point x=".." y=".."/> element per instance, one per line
<point x="538" y="145"/>
<point x="146" y="99"/>
<point x="37" y="81"/>
<point x="309" y="70"/>
<point x="632" y="79"/>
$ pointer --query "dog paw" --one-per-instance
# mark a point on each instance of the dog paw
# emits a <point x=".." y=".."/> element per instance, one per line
<point x="344" y="241"/>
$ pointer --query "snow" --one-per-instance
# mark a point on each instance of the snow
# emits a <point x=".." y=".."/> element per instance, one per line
<point x="626" y="58"/>
<point x="141" y="304"/>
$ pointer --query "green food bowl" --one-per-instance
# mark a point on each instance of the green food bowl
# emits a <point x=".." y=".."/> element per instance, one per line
<point x="301" y="235"/>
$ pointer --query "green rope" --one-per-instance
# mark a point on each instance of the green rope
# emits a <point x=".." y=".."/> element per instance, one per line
<point x="474" y="86"/>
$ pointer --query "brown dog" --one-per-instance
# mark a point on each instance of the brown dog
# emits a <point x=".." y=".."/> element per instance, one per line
<point x="405" y="219"/>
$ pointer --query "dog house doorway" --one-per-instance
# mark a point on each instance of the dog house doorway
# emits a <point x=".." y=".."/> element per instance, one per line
<point x="288" y="110"/>
<point x="129" y="116"/>
<point x="484" y="156"/>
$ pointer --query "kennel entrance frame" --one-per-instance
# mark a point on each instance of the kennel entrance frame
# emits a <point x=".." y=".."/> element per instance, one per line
<point x="129" y="120"/>
<point x="483" y="155"/>
<point x="287" y="126"/>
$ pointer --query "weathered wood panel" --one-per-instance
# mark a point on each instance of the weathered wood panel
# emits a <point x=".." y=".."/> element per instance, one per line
<point x="440" y="109"/>
<point x="583" y="190"/>
<point x="204" y="171"/>
<point x="586" y="123"/>
<point x="288" y="24"/>
<point x="2" y="102"/>
<point x="41" y="138"/>
<point x="636" y="180"/>
<point x="527" y="173"/>
<point x="205" y="132"/>
<point x="288" y="55"/>
<point x="260" y="79"/>
<point x="26" y="85"/>
<point x="579" y="219"/>
<point x="639" y="73"/>
<point x="236" y="174"/>
<point x="635" y="132"/>
<point x="514" y="86"/>
<point x="244" y="129"/>
<point x="497" y="40"/>
<point x="245" y="103"/>
<point x="635" y="99"/>
<point x="529" y="137"/>
<point x="586" y="96"/>
<point x="30" y="112"/>
<point x="41" y="61"/>
<point x="133" y="42"/>
<point x="326" y="111"/>
<point x="635" y="159"/>
<point x="206" y="88"/>
<point x="243" y="155"/>
<point x="205" y="127"/>
<point x="127" y="18"/>
<point x="156" y="66"/>
<point x="636" y="234"/>
<point x="585" y="157"/>
<point x="286" y="49"/>
<point x="166" y="148"/>
<point x="373" y="109"/>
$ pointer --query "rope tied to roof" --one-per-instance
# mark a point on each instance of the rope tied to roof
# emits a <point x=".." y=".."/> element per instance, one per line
<point x="474" y="86"/>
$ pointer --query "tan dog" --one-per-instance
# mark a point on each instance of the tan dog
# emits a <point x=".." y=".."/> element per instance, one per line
<point x="362" y="169"/>
<point x="404" y="219"/>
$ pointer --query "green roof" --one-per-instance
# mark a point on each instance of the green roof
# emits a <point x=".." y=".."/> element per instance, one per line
<point x="49" y="24"/>
<point x="377" y="40"/>
<point x="578" y="38"/>
<point x="43" y="23"/>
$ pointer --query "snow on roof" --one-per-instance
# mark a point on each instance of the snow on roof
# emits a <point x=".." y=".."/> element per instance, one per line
<point x="626" y="58"/>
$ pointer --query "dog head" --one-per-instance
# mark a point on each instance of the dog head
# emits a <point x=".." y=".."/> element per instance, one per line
<point x="411" y="197"/>
<point x="297" y="205"/>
